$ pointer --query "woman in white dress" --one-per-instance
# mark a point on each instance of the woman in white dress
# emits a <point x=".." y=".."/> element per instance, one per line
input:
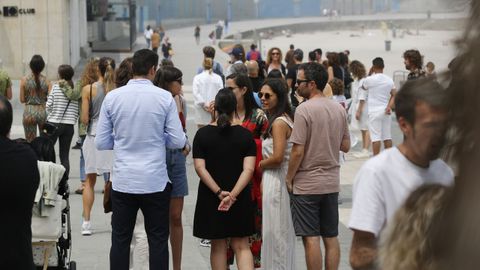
<point x="205" y="87"/>
<point x="358" y="108"/>
<point x="278" y="234"/>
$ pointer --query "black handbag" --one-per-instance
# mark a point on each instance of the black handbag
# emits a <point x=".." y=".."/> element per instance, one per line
<point x="50" y="128"/>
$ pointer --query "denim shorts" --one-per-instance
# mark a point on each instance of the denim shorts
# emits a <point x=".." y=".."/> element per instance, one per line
<point x="177" y="172"/>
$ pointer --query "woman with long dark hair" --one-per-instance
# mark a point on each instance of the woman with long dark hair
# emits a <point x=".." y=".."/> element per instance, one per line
<point x="33" y="92"/>
<point x="171" y="79"/>
<point x="278" y="233"/>
<point x="63" y="113"/>
<point x="224" y="157"/>
<point x="255" y="120"/>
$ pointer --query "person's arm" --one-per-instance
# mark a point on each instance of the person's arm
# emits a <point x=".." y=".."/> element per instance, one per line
<point x="50" y="102"/>
<point x="9" y="89"/>
<point x="84" y="117"/>
<point x="242" y="182"/>
<point x="22" y="90"/>
<point x="330" y="73"/>
<point x="363" y="251"/>
<point x="50" y="85"/>
<point x="391" y="102"/>
<point x="361" y="106"/>
<point x="175" y="136"/>
<point x="104" y="139"/>
<point x="207" y="179"/>
<point x="345" y="144"/>
<point x="280" y="131"/>
<point x="296" y="158"/>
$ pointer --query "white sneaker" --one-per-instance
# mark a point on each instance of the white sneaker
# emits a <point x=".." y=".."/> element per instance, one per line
<point x="205" y="243"/>
<point x="86" y="228"/>
<point x="362" y="154"/>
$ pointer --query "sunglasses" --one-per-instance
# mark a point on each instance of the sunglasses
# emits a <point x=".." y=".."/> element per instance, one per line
<point x="231" y="88"/>
<point x="266" y="95"/>
<point x="302" y="81"/>
<point x="275" y="53"/>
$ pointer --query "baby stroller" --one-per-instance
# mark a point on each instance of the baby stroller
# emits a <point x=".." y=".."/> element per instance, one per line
<point x="51" y="227"/>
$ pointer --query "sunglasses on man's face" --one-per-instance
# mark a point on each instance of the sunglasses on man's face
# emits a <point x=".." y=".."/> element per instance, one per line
<point x="266" y="95"/>
<point x="302" y="81"/>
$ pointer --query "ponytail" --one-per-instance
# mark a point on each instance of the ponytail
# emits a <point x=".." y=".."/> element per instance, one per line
<point x="37" y="65"/>
<point x="106" y="66"/>
<point x="223" y="120"/>
<point x="109" y="79"/>
<point x="208" y="64"/>
<point x="225" y="105"/>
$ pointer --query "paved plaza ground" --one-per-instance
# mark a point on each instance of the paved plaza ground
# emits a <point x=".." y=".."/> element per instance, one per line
<point x="92" y="252"/>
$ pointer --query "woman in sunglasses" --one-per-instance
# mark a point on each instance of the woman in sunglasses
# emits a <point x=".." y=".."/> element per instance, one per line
<point x="274" y="61"/>
<point x="170" y="79"/>
<point x="278" y="233"/>
<point x="254" y="119"/>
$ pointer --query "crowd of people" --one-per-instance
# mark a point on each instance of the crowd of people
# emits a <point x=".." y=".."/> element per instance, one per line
<point x="270" y="142"/>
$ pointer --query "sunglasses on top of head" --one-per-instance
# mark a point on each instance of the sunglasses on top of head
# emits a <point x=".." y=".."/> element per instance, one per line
<point x="266" y="95"/>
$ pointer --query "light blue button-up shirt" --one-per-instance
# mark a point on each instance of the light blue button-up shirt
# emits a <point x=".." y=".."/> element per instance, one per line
<point x="138" y="121"/>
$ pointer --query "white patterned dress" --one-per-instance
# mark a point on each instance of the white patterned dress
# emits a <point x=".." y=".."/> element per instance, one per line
<point x="278" y="248"/>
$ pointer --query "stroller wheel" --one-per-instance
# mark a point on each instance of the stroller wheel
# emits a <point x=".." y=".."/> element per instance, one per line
<point x="72" y="265"/>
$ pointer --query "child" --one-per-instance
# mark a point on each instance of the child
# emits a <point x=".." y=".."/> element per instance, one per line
<point x="338" y="89"/>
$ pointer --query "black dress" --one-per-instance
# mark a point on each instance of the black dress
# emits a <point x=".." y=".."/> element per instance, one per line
<point x="223" y="152"/>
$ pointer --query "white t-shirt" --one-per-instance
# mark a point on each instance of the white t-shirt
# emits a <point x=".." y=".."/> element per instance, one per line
<point x="383" y="184"/>
<point x="205" y="87"/>
<point x="379" y="87"/>
<point x="148" y="33"/>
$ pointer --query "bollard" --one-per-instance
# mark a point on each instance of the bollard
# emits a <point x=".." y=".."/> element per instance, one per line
<point x="388" y="45"/>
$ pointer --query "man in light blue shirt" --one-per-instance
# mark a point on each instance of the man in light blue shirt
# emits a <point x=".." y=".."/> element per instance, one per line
<point x="138" y="121"/>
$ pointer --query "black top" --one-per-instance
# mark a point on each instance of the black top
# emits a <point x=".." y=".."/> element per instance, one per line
<point x="338" y="72"/>
<point x="292" y="74"/>
<point x="223" y="152"/>
<point x="19" y="181"/>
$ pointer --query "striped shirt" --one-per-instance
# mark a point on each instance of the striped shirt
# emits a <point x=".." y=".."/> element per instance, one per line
<point x="56" y="104"/>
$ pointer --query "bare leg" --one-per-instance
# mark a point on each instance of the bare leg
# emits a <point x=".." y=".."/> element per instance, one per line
<point x="218" y="254"/>
<point x="376" y="147"/>
<point x="313" y="252"/>
<point x="176" y="231"/>
<point x="243" y="253"/>
<point x="365" y="139"/>
<point x="387" y="144"/>
<point x="332" y="253"/>
<point x="88" y="195"/>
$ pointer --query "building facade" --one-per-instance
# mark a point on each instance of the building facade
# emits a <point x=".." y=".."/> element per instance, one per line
<point x="55" y="29"/>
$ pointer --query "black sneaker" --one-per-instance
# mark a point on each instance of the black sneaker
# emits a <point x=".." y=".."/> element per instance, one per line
<point x="77" y="146"/>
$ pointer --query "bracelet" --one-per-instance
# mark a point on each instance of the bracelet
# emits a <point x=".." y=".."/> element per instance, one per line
<point x="218" y="192"/>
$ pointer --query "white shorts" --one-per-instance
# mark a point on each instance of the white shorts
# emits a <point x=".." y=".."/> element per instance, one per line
<point x="96" y="161"/>
<point x="380" y="126"/>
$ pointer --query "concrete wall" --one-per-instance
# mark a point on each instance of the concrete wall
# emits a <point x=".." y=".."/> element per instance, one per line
<point x="54" y="31"/>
